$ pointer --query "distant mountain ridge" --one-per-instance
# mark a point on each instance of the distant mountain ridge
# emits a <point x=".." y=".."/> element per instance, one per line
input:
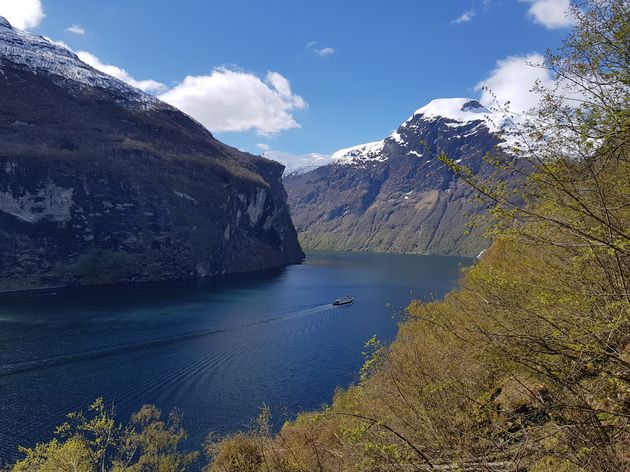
<point x="393" y="195"/>
<point x="103" y="183"/>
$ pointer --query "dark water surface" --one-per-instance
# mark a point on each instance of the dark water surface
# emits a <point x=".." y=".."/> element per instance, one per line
<point x="217" y="350"/>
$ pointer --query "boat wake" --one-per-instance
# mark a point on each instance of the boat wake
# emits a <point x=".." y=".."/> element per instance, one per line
<point x="65" y="359"/>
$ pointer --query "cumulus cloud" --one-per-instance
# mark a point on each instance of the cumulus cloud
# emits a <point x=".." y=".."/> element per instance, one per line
<point x="512" y="81"/>
<point x="150" y="86"/>
<point x="76" y="29"/>
<point x="552" y="14"/>
<point x="465" y="17"/>
<point x="234" y="100"/>
<point x="225" y="100"/>
<point x="263" y="147"/>
<point x="22" y="14"/>
<point x="317" y="48"/>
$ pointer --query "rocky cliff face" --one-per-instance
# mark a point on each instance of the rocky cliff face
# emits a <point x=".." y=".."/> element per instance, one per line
<point x="394" y="195"/>
<point x="101" y="183"/>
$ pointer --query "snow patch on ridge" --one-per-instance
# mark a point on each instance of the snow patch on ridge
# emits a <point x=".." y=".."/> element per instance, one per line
<point x="4" y="23"/>
<point x="366" y="152"/>
<point x="453" y="112"/>
<point x="398" y="138"/>
<point x="362" y="152"/>
<point x="461" y="110"/>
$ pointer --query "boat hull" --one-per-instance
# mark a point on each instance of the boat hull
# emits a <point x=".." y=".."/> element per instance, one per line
<point x="340" y="303"/>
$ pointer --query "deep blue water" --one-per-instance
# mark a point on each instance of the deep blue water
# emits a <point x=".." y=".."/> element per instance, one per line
<point x="216" y="349"/>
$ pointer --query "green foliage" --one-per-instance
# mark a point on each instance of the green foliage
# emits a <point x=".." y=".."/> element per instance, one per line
<point x="374" y="355"/>
<point x="527" y="364"/>
<point x="71" y="455"/>
<point x="242" y="451"/>
<point x="94" y="441"/>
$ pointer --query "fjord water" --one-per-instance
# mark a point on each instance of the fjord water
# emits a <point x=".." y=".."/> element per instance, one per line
<point x="215" y="349"/>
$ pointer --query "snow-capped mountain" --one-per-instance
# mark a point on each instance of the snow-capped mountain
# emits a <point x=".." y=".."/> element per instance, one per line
<point x="394" y="195"/>
<point x="453" y="112"/>
<point x="102" y="183"/>
<point x="42" y="55"/>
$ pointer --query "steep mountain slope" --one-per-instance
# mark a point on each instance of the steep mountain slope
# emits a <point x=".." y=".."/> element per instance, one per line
<point x="394" y="195"/>
<point x="101" y="183"/>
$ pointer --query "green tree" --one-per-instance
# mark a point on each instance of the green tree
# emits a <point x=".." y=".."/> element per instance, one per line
<point x="94" y="441"/>
<point x="526" y="365"/>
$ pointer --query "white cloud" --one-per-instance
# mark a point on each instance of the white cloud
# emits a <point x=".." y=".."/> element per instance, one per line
<point x="225" y="100"/>
<point x="58" y="43"/>
<point x="22" y="14"/>
<point x="465" y="17"/>
<point x="326" y="51"/>
<point x="233" y="100"/>
<point x="76" y="29"/>
<point x="317" y="48"/>
<point x="552" y="14"/>
<point x="280" y="83"/>
<point x="263" y="147"/>
<point x="512" y="81"/>
<point x="150" y="86"/>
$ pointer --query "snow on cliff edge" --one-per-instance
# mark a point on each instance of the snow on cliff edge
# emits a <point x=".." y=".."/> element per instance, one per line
<point x="44" y="56"/>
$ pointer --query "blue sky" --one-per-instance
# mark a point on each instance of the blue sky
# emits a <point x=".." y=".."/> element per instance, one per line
<point x="354" y="69"/>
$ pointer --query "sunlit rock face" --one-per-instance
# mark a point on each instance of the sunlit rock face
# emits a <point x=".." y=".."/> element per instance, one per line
<point x="101" y="183"/>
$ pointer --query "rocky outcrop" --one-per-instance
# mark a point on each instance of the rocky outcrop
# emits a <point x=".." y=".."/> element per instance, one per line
<point x="395" y="195"/>
<point x="100" y="183"/>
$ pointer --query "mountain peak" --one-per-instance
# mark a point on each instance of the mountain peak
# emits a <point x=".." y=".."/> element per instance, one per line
<point x="368" y="151"/>
<point x="455" y="112"/>
<point x="4" y="23"/>
<point x="459" y="109"/>
<point x="472" y="105"/>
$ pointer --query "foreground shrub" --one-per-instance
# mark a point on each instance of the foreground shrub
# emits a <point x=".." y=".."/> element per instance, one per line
<point x="93" y="441"/>
<point x="526" y="366"/>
